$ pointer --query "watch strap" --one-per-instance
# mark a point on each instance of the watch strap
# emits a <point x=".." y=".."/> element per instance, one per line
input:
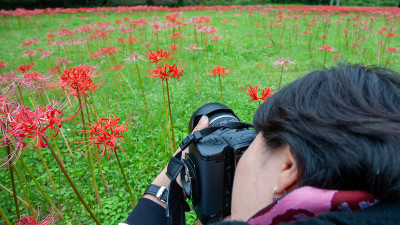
<point x="160" y="192"/>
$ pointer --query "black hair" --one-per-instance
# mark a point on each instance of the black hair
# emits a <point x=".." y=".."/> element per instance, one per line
<point x="343" y="125"/>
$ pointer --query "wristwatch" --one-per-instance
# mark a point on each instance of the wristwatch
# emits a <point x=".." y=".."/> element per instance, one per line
<point x="160" y="192"/>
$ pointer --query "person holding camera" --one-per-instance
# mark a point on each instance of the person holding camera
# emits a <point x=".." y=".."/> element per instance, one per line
<point x="325" y="149"/>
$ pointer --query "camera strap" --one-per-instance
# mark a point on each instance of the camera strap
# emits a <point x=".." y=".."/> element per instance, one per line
<point x="176" y="204"/>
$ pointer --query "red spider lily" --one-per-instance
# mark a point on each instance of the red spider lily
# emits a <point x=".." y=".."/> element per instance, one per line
<point x="46" y="54"/>
<point x="215" y="38"/>
<point x="24" y="68"/>
<point x="131" y="40"/>
<point x="120" y="40"/>
<point x="220" y="71"/>
<point x="25" y="123"/>
<point x="3" y="64"/>
<point x="117" y="67"/>
<point x="50" y="219"/>
<point x="390" y="34"/>
<point x="166" y="71"/>
<point x="176" y="35"/>
<point x="134" y="57"/>
<point x="193" y="47"/>
<point x="158" y="56"/>
<point x="62" y="61"/>
<point x="108" y="50"/>
<point x="327" y="48"/>
<point x="345" y="31"/>
<point x="78" y="78"/>
<point x="392" y="49"/>
<point x="335" y="57"/>
<point x="281" y="61"/>
<point x="173" y="47"/>
<point x="34" y="79"/>
<point x="29" y="52"/>
<point x="253" y="93"/>
<point x="107" y="133"/>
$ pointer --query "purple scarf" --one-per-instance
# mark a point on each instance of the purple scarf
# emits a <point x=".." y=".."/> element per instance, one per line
<point x="308" y="202"/>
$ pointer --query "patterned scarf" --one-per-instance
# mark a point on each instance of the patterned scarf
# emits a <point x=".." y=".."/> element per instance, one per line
<point x="307" y="202"/>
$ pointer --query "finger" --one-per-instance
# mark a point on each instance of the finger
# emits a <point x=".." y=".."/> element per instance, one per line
<point x="203" y="123"/>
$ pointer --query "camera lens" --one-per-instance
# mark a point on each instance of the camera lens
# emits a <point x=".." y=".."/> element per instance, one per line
<point x="217" y="114"/>
<point x="220" y="118"/>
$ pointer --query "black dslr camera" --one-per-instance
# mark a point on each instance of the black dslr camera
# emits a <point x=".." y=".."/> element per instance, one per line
<point x="211" y="162"/>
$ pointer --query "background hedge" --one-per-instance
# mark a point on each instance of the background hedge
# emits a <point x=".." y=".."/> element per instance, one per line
<point x="30" y="4"/>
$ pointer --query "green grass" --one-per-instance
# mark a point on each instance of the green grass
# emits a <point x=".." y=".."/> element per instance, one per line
<point x="248" y="56"/>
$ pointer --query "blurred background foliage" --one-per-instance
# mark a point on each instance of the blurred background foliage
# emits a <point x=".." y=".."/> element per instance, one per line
<point x="30" y="4"/>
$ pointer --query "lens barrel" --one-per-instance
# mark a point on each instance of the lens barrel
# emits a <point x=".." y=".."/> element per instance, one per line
<point x="217" y="114"/>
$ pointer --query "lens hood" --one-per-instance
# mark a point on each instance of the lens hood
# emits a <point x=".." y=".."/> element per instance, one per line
<point x="210" y="110"/>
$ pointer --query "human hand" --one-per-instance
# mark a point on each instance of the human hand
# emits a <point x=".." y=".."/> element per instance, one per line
<point x="162" y="179"/>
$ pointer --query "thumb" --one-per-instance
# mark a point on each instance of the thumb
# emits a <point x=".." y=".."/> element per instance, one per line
<point x="203" y="123"/>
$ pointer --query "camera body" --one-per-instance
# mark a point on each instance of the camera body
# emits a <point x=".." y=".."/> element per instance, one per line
<point x="211" y="162"/>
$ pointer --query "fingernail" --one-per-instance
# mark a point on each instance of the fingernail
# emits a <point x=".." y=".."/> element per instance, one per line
<point x="203" y="119"/>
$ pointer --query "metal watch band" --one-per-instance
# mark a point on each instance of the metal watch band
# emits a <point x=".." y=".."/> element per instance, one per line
<point x="160" y="192"/>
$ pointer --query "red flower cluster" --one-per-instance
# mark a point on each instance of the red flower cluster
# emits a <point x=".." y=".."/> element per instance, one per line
<point x="158" y="56"/>
<point x="78" y="80"/>
<point x="19" y="123"/>
<point x="107" y="133"/>
<point x="34" y="79"/>
<point x="253" y="93"/>
<point x="327" y="48"/>
<point x="166" y="71"/>
<point x="108" y="50"/>
<point x="220" y="71"/>
<point x="24" y="68"/>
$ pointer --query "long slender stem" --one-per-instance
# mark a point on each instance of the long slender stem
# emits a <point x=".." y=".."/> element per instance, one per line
<point x="37" y="183"/>
<point x="25" y="193"/>
<point x="66" y="143"/>
<point x="88" y="153"/>
<point x="47" y="170"/>
<point x="19" y="198"/>
<point x="170" y="116"/>
<point x="13" y="184"/>
<point x="141" y="86"/>
<point x="280" y="79"/>
<point x="220" y="86"/>
<point x="166" y="120"/>
<point x="71" y="183"/>
<point x="97" y="157"/>
<point x="3" y="215"/>
<point x="126" y="181"/>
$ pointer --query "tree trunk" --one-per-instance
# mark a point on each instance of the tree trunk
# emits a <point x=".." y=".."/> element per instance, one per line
<point x="337" y="2"/>
<point x="331" y="4"/>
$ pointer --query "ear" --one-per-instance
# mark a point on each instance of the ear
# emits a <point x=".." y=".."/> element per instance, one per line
<point x="288" y="171"/>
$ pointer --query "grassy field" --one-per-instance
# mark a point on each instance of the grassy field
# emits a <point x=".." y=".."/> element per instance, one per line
<point x="249" y="41"/>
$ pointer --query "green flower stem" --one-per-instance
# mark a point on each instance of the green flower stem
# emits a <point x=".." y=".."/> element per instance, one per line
<point x="87" y="150"/>
<point x="47" y="170"/>
<point x="37" y="183"/>
<point x="141" y="86"/>
<point x="170" y="116"/>
<point x="126" y="181"/>
<point x="25" y="193"/>
<point x="3" y="215"/>
<point x="71" y="183"/>
<point x="19" y="198"/>
<point x="220" y="86"/>
<point x="97" y="157"/>
<point x="13" y="184"/>
<point x="166" y="120"/>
